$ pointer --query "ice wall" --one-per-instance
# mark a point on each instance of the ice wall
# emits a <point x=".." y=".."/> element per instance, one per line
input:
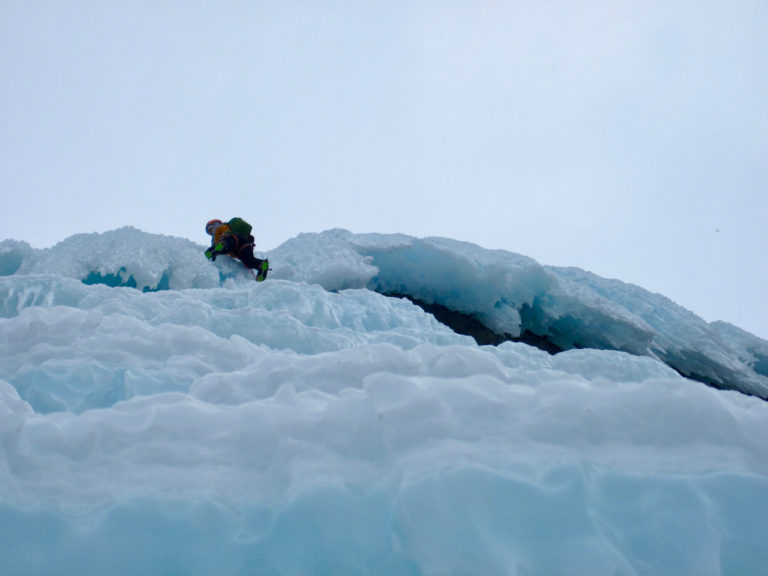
<point x="374" y="458"/>
<point x="238" y="428"/>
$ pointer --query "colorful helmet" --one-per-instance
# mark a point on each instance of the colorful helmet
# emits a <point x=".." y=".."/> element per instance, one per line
<point x="212" y="225"/>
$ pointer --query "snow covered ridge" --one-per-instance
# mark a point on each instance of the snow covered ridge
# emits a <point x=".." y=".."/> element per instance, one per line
<point x="511" y="295"/>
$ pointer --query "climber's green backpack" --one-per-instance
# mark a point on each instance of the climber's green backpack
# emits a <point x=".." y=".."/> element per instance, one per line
<point x="240" y="227"/>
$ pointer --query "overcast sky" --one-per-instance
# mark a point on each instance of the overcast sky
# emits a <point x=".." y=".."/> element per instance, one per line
<point x="628" y="138"/>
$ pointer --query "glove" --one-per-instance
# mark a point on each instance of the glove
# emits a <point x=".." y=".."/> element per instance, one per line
<point x="211" y="253"/>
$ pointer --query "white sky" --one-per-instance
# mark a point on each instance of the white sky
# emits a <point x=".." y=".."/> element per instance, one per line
<point x="628" y="138"/>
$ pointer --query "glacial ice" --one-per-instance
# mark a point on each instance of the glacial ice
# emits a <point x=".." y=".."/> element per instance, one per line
<point x="312" y="425"/>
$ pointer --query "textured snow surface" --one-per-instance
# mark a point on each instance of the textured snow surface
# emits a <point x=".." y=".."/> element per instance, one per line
<point x="221" y="426"/>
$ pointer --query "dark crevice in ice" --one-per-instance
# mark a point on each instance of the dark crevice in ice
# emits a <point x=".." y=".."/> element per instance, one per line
<point x="468" y="325"/>
<point x="686" y="363"/>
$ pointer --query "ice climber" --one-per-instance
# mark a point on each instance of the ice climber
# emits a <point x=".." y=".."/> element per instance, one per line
<point x="234" y="239"/>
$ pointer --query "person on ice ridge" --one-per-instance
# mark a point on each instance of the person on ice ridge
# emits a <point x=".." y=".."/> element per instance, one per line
<point x="234" y="239"/>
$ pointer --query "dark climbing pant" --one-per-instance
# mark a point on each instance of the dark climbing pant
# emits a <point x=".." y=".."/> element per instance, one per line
<point x="241" y="247"/>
